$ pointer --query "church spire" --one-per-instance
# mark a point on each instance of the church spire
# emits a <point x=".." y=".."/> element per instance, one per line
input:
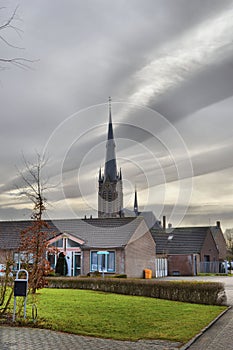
<point x="100" y="175"/>
<point x="110" y="129"/>
<point x="136" y="202"/>
<point x="110" y="194"/>
<point x="110" y="170"/>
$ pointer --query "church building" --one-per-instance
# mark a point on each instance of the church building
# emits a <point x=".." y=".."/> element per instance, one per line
<point x="110" y="194"/>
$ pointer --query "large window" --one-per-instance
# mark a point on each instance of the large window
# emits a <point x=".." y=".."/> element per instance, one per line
<point x="102" y="262"/>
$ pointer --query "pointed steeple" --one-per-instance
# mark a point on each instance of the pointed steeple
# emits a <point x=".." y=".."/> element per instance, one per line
<point x="100" y="175"/>
<point x="110" y="129"/>
<point x="136" y="202"/>
<point x="110" y="170"/>
<point x="110" y="193"/>
<point x="120" y="175"/>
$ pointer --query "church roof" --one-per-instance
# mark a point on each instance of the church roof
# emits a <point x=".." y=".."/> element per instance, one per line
<point x="148" y="216"/>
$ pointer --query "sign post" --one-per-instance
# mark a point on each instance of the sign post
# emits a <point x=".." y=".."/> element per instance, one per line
<point x="102" y="253"/>
<point x="20" y="290"/>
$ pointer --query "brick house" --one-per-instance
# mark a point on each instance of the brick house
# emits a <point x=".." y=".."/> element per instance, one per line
<point x="190" y="250"/>
<point x="128" y="242"/>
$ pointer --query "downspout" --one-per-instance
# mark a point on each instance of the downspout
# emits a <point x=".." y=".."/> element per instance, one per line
<point x="123" y="260"/>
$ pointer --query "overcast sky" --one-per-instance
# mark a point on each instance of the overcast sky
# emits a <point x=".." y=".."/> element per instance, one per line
<point x="168" y="66"/>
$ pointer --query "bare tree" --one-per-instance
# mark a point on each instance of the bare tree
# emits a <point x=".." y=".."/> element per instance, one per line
<point x="5" y="26"/>
<point x="6" y="285"/>
<point x="34" y="238"/>
<point x="34" y="185"/>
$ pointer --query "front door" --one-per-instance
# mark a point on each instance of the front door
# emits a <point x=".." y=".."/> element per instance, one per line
<point x="207" y="263"/>
<point x="69" y="263"/>
<point x="77" y="264"/>
<point x="73" y="263"/>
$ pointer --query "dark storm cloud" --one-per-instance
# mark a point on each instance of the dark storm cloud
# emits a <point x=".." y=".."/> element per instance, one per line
<point x="196" y="93"/>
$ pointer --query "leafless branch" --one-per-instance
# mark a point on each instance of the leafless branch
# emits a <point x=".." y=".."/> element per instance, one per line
<point x="19" y="62"/>
<point x="10" y="19"/>
<point x="34" y="186"/>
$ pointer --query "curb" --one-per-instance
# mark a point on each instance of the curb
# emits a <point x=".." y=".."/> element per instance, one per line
<point x="190" y="342"/>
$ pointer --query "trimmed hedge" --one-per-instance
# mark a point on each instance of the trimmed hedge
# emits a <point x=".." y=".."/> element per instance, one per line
<point x="210" y="293"/>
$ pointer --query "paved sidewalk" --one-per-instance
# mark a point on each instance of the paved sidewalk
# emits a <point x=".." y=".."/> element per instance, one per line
<point x="218" y="337"/>
<point x="14" y="338"/>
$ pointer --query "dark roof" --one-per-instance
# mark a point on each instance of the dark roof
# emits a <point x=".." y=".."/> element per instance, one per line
<point x="10" y="232"/>
<point x="101" y="233"/>
<point x="215" y="231"/>
<point x="96" y="233"/>
<point x="149" y="217"/>
<point x="183" y="240"/>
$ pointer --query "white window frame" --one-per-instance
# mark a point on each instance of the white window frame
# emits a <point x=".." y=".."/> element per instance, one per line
<point x="19" y="258"/>
<point x="98" y="266"/>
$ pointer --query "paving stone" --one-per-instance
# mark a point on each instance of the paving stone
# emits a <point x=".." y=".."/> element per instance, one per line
<point x="15" y="338"/>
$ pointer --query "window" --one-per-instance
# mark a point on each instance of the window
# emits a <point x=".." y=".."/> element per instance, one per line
<point x="102" y="262"/>
<point x="52" y="259"/>
<point x="58" y="244"/>
<point x="72" y="244"/>
<point x="21" y="258"/>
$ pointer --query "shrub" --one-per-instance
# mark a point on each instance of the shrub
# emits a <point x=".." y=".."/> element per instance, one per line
<point x="211" y="293"/>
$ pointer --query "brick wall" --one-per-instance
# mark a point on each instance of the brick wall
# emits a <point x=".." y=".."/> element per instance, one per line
<point x="181" y="265"/>
<point x="220" y="242"/>
<point x="209" y="248"/>
<point x="85" y="262"/>
<point x="140" y="255"/>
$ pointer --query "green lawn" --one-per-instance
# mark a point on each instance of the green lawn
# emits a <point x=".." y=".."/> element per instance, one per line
<point x="119" y="316"/>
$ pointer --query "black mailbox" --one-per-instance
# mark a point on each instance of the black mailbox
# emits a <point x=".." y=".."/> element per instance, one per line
<point x="20" y="288"/>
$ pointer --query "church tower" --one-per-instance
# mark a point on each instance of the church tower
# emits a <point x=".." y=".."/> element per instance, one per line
<point x="110" y="194"/>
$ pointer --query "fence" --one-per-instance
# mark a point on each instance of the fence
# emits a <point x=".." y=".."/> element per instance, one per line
<point x="161" y="267"/>
<point x="213" y="267"/>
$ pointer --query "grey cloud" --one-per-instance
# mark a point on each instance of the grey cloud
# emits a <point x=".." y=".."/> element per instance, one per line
<point x="88" y="51"/>
<point x="195" y="93"/>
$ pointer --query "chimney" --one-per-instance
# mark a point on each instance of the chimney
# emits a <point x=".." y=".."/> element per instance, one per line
<point x="164" y="222"/>
<point x="218" y="224"/>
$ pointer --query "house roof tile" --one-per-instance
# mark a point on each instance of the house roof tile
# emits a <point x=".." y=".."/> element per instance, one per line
<point x="96" y="233"/>
<point x="183" y="240"/>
